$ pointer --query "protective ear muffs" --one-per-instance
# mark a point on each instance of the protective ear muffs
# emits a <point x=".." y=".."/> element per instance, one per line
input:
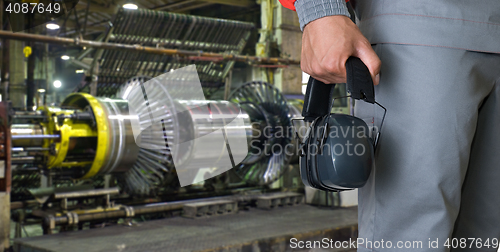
<point x="337" y="152"/>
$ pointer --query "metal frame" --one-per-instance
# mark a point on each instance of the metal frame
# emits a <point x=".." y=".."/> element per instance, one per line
<point x="5" y="180"/>
<point x="110" y="69"/>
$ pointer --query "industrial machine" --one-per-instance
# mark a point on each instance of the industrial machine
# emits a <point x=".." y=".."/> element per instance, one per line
<point x="91" y="136"/>
<point x="85" y="137"/>
<point x="77" y="164"/>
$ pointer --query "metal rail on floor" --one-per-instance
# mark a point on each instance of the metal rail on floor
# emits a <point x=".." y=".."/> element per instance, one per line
<point x="265" y="201"/>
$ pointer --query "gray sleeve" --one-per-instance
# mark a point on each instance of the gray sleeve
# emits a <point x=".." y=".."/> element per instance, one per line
<point x="310" y="10"/>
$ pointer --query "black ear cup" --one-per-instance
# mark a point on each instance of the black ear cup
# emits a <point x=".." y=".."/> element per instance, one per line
<point x="321" y="167"/>
<point x="303" y="171"/>
<point x="312" y="153"/>
<point x="307" y="160"/>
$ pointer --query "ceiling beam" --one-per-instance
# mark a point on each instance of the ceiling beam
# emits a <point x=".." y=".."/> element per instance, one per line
<point x="239" y="3"/>
<point x="71" y="24"/>
<point x="191" y="7"/>
<point x="174" y="5"/>
<point x="95" y="8"/>
<point x="111" y="9"/>
<point x="82" y="5"/>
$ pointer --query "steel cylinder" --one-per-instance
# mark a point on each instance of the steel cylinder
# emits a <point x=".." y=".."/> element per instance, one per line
<point x="28" y="133"/>
<point x="116" y="150"/>
<point x="208" y="129"/>
<point x="122" y="149"/>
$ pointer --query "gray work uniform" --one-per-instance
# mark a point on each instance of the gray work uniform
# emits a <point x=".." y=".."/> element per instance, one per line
<point x="437" y="175"/>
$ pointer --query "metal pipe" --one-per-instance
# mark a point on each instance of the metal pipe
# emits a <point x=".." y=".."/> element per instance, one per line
<point x="120" y="213"/>
<point x="26" y="130"/>
<point x="29" y="117"/>
<point x="23" y="204"/>
<point x="204" y="56"/>
<point x="30" y="80"/>
<point x="80" y="64"/>
<point x="21" y="149"/>
<point x="139" y="210"/>
<point x="20" y="160"/>
<point x="37" y="112"/>
<point x="16" y="137"/>
<point x="86" y="193"/>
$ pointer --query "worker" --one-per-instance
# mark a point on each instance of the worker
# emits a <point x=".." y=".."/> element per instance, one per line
<point x="436" y="64"/>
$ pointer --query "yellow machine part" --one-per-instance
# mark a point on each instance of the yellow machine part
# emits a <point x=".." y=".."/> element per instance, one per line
<point x="70" y="128"/>
<point x="102" y="131"/>
<point x="66" y="131"/>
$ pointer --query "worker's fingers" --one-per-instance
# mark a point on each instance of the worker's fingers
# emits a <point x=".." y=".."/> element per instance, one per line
<point x="365" y="52"/>
<point x="325" y="52"/>
<point x="316" y="67"/>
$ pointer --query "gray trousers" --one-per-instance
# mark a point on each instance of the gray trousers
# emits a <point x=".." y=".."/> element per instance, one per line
<point x="437" y="174"/>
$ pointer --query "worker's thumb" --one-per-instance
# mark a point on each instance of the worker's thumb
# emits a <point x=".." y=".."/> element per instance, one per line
<point x="371" y="60"/>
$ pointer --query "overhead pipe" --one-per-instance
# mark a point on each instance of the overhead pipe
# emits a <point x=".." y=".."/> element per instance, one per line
<point x="202" y="56"/>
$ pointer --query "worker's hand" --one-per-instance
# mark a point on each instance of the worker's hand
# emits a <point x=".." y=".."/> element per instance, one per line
<point x="328" y="42"/>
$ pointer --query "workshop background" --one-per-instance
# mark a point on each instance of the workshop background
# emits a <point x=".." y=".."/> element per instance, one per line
<point x="72" y="177"/>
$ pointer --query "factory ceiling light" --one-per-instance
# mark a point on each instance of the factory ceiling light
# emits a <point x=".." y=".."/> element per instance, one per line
<point x="65" y="57"/>
<point x="52" y="26"/>
<point x="57" y="84"/>
<point x="130" y="6"/>
<point x="41" y="90"/>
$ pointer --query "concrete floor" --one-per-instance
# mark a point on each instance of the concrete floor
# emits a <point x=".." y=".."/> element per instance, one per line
<point x="253" y="230"/>
<point x="36" y="230"/>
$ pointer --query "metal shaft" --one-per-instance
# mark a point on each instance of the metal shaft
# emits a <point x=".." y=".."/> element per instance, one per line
<point x="119" y="213"/>
<point x="140" y="210"/>
<point x="29" y="116"/>
<point x="16" y="137"/>
<point x="21" y="149"/>
<point x="22" y="160"/>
